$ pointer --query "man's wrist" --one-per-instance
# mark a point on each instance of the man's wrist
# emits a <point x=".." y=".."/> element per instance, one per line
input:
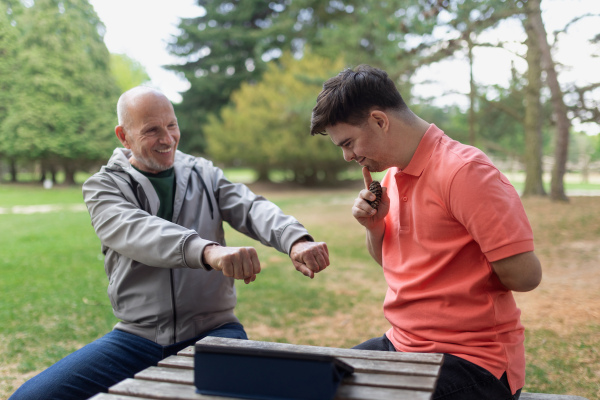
<point x="305" y="238"/>
<point x="205" y="251"/>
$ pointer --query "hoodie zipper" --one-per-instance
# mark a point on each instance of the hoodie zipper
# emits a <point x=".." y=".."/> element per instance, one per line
<point x="174" y="306"/>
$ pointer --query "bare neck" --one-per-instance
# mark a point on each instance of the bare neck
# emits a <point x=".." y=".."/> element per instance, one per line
<point x="407" y="131"/>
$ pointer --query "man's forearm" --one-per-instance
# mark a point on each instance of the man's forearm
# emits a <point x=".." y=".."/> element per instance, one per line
<point x="521" y="272"/>
<point x="375" y="242"/>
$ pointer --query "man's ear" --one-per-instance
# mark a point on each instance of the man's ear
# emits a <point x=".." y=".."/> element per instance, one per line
<point x="120" y="132"/>
<point x="380" y="119"/>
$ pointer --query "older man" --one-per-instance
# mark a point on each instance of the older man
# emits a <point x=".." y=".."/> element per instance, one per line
<point x="159" y="215"/>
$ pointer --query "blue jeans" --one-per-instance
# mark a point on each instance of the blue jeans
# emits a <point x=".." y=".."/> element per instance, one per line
<point x="459" y="379"/>
<point x="106" y="361"/>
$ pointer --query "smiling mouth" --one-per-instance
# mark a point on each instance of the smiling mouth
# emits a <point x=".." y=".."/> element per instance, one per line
<point x="163" y="151"/>
<point x="360" y="162"/>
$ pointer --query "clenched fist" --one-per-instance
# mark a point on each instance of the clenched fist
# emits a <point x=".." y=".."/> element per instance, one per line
<point x="309" y="257"/>
<point x="236" y="262"/>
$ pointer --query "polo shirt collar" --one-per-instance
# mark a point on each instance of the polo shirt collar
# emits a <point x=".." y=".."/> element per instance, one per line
<point x="419" y="160"/>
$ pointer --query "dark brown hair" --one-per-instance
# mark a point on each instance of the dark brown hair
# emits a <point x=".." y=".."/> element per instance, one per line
<point x="351" y="95"/>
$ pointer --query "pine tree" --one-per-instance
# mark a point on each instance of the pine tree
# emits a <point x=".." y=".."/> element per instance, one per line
<point x="223" y="49"/>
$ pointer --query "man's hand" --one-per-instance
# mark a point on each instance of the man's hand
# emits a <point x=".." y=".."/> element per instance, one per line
<point x="372" y="219"/>
<point x="309" y="257"/>
<point x="236" y="262"/>
<point x="366" y="215"/>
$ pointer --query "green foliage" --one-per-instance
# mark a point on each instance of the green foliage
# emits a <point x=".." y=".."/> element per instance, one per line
<point x="8" y="66"/>
<point x="61" y="99"/>
<point x="596" y="153"/>
<point x="234" y="40"/>
<point x="231" y="43"/>
<point x="452" y="119"/>
<point x="127" y="72"/>
<point x="221" y="52"/>
<point x="267" y="124"/>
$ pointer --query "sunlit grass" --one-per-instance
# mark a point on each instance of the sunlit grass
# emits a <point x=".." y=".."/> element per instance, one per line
<point x="53" y="287"/>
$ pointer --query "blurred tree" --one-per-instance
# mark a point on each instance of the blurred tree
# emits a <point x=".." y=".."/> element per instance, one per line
<point x="563" y="124"/>
<point x="267" y="123"/>
<point x="534" y="184"/>
<point x="581" y="153"/>
<point x="232" y="41"/>
<point x="62" y="96"/>
<point x="127" y="72"/>
<point x="595" y="145"/>
<point x="221" y="50"/>
<point x="502" y="116"/>
<point x="8" y="67"/>
<point x="461" y="20"/>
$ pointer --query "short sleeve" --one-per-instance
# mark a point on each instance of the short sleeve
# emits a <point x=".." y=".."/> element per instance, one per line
<point x="489" y="207"/>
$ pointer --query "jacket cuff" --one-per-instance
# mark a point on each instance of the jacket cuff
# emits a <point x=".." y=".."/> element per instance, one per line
<point x="291" y="234"/>
<point x="193" y="249"/>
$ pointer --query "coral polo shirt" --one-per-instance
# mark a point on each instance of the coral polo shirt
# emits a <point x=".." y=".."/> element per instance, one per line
<point x="453" y="212"/>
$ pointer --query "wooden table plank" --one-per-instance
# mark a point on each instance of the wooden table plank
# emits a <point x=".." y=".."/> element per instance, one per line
<point x="393" y="367"/>
<point x="177" y="362"/>
<point x="160" y="390"/>
<point x="428" y="358"/>
<point x="108" y="396"/>
<point x="172" y="375"/>
<point x="176" y="391"/>
<point x="178" y="375"/>
<point x="390" y="381"/>
<point x="351" y="392"/>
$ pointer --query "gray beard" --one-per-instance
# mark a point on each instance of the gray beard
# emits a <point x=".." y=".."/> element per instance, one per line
<point x="156" y="167"/>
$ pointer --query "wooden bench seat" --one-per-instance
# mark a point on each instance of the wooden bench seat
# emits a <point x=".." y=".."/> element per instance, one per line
<point x="548" y="396"/>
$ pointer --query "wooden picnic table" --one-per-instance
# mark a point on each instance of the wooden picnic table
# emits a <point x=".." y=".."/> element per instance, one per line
<point x="378" y="375"/>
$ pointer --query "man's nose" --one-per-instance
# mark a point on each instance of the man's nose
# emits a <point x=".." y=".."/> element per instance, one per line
<point x="166" y="137"/>
<point x="348" y="154"/>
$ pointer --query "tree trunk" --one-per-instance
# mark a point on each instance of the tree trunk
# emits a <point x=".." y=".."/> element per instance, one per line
<point x="534" y="185"/>
<point x="263" y="173"/>
<point x="42" y="172"/>
<point x="472" y="94"/>
<point x="69" y="168"/>
<point x="13" y="170"/>
<point x="557" y="188"/>
<point x="585" y="168"/>
<point x="53" y="172"/>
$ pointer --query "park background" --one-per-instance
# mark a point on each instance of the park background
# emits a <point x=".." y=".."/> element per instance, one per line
<point x="515" y="78"/>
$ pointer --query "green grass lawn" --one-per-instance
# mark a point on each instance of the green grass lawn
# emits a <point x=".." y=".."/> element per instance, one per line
<point x="53" y="287"/>
<point x="53" y="290"/>
<point x="30" y="194"/>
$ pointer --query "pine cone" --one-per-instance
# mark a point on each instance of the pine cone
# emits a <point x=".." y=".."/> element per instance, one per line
<point x="375" y="188"/>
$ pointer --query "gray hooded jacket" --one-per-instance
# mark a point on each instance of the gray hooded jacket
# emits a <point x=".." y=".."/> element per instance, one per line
<point x="158" y="285"/>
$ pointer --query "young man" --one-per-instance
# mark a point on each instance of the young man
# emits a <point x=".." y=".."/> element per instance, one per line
<point x="450" y="233"/>
<point x="159" y="215"/>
